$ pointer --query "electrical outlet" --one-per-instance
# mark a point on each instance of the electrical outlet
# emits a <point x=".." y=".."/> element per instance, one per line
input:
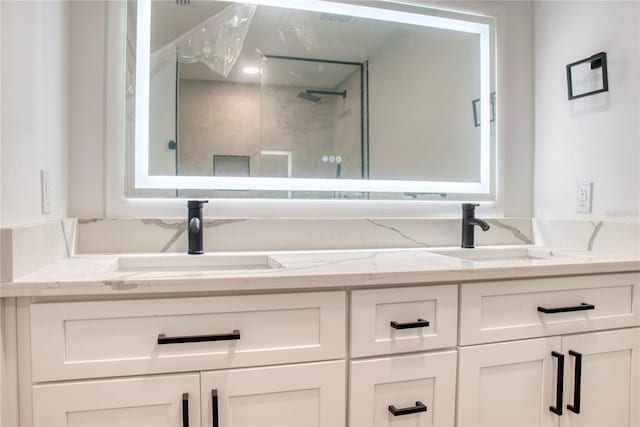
<point x="45" y="200"/>
<point x="583" y="201"/>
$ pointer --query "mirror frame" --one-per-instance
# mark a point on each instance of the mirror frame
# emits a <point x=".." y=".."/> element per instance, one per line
<point x="143" y="180"/>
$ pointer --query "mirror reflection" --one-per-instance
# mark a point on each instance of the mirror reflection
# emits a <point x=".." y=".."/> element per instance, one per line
<point x="242" y="90"/>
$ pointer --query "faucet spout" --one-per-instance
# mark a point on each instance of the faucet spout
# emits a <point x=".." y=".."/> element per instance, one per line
<point x="479" y="222"/>
<point x="469" y="222"/>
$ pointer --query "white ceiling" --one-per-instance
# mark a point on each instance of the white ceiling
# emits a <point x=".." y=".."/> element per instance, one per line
<point x="279" y="31"/>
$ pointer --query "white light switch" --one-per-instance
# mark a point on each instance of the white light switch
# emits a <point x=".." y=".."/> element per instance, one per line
<point x="583" y="201"/>
<point x="45" y="201"/>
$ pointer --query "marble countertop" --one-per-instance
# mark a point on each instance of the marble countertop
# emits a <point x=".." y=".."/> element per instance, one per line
<point x="304" y="270"/>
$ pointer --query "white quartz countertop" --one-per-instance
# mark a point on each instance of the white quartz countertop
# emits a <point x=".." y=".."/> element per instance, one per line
<point x="309" y="270"/>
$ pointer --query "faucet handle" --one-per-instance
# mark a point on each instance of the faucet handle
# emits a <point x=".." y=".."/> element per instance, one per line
<point x="194" y="225"/>
<point x="196" y="204"/>
<point x="471" y="206"/>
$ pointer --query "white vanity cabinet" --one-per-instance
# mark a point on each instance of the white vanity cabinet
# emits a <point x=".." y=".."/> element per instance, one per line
<point x="493" y="353"/>
<point x="402" y="320"/>
<point x="609" y="381"/>
<point x="508" y="384"/>
<point x="311" y="395"/>
<point x="89" y="339"/>
<point x="415" y="390"/>
<point x="399" y="389"/>
<point x="516" y="383"/>
<point x="159" y="401"/>
<point x="546" y="381"/>
<point x="138" y="347"/>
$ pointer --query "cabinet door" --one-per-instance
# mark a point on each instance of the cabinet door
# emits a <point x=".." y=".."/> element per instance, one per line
<point x="609" y="379"/>
<point x="417" y="391"/>
<point x="311" y="394"/>
<point x="163" y="401"/>
<point x="509" y="384"/>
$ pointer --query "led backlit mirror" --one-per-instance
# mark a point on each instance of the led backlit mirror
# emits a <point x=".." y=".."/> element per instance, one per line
<point x="309" y="99"/>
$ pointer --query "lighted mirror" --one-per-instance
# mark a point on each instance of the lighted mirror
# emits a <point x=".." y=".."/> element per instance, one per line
<point x="309" y="99"/>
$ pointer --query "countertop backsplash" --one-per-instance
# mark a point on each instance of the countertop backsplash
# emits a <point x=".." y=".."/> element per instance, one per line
<point x="28" y="248"/>
<point x="169" y="235"/>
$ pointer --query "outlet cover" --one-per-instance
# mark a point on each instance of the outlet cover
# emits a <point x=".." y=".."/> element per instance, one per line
<point x="45" y="200"/>
<point x="583" y="200"/>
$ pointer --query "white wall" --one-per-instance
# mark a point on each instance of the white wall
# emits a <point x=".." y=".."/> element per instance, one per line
<point x="162" y="115"/>
<point x="86" y="108"/>
<point x="421" y="85"/>
<point x="596" y="138"/>
<point x="515" y="77"/>
<point x="34" y="69"/>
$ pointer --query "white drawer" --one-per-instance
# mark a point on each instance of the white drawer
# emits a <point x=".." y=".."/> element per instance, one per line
<point x="111" y="338"/>
<point x="422" y="385"/>
<point x="513" y="309"/>
<point x="373" y="311"/>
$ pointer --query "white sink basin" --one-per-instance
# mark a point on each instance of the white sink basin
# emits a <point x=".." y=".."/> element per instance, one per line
<point x="207" y="262"/>
<point x="502" y="254"/>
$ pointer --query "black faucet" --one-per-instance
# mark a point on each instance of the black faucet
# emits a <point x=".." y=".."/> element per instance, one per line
<point x="469" y="221"/>
<point x="195" y="226"/>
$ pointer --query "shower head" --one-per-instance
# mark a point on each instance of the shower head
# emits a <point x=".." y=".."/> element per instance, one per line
<point x="308" y="97"/>
<point x="309" y="94"/>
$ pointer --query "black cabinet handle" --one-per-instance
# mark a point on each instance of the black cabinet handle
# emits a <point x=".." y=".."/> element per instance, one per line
<point x="214" y="408"/>
<point x="235" y="335"/>
<point x="420" y="323"/>
<point x="577" y="382"/>
<point x="581" y="307"/>
<point x="559" y="384"/>
<point x="420" y="407"/>
<point x="185" y="409"/>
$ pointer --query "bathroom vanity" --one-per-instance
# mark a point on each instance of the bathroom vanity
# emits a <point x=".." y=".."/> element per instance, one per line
<point x="326" y="134"/>
<point x="356" y="338"/>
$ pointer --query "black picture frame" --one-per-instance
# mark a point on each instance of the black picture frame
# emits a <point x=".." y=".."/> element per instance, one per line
<point x="599" y="60"/>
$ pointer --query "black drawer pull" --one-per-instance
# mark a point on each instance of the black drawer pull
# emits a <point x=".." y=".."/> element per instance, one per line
<point x="581" y="307"/>
<point x="185" y="409"/>
<point x="214" y="407"/>
<point x="420" y="323"/>
<point x="559" y="384"/>
<point x="235" y="335"/>
<point x="577" y="382"/>
<point x="420" y="407"/>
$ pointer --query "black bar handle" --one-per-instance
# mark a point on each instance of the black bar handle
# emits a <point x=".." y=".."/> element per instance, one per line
<point x="559" y="384"/>
<point x="577" y="382"/>
<point x="582" y="307"/>
<point x="420" y="323"/>
<point x="214" y="407"/>
<point x="235" y="335"/>
<point x="420" y="407"/>
<point x="185" y="409"/>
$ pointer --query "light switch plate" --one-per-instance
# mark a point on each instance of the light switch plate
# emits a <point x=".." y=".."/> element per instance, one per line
<point x="583" y="201"/>
<point x="45" y="200"/>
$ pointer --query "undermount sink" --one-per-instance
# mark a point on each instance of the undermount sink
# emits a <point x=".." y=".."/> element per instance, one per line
<point x="503" y="254"/>
<point x="210" y="262"/>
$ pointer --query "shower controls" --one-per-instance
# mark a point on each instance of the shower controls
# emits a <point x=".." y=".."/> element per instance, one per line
<point x="331" y="159"/>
